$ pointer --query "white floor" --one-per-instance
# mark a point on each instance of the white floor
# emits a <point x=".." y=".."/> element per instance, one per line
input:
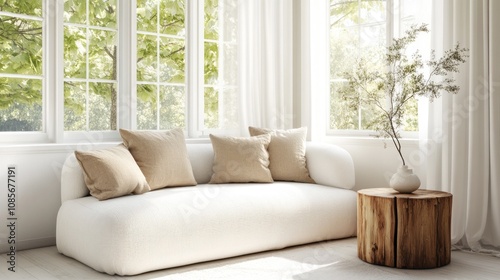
<point x="325" y="260"/>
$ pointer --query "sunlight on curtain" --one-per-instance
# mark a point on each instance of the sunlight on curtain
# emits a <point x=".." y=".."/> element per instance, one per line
<point x="462" y="143"/>
<point x="265" y="64"/>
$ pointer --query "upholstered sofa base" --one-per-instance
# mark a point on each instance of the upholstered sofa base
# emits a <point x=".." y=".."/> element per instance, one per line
<point x="183" y="225"/>
<point x="179" y="226"/>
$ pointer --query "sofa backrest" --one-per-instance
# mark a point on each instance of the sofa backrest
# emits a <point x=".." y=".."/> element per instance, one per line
<point x="328" y="165"/>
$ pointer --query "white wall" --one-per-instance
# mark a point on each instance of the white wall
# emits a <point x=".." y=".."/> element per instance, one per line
<point x="375" y="160"/>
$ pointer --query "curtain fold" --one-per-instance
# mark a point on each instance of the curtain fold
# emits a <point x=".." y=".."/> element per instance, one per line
<point x="463" y="131"/>
<point x="265" y="64"/>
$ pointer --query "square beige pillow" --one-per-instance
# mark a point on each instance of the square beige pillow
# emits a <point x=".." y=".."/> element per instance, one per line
<point x="240" y="159"/>
<point x="287" y="153"/>
<point x="162" y="157"/>
<point x="111" y="172"/>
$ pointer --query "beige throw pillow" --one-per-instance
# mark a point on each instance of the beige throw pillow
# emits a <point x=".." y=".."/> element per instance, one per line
<point x="240" y="160"/>
<point x="111" y="172"/>
<point x="287" y="153"/>
<point x="162" y="157"/>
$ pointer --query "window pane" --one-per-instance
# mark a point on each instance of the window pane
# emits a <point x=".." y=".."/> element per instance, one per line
<point x="342" y="117"/>
<point x="146" y="107"/>
<point x="172" y="60"/>
<point x="344" y="13"/>
<point x="75" y="11"/>
<point x="372" y="11"/>
<point x="102" y="55"/>
<point x="75" y="107"/>
<point x="101" y="109"/>
<point x="372" y="43"/>
<point x="75" y="52"/>
<point x="146" y="58"/>
<point x="102" y="13"/>
<point x="24" y="7"/>
<point x="410" y="120"/>
<point x="344" y="44"/>
<point x="20" y="104"/>
<point x="172" y="107"/>
<point x="102" y="106"/>
<point x="21" y="66"/>
<point x="211" y="19"/>
<point x="172" y="17"/>
<point x="211" y="63"/>
<point x="147" y="11"/>
<point x="20" y="46"/>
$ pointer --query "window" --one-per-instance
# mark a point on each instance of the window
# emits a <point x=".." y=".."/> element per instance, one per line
<point x="90" y="65"/>
<point x="220" y="67"/>
<point x="22" y="62"/>
<point x="361" y="29"/>
<point x="161" y="49"/>
<point x="122" y="64"/>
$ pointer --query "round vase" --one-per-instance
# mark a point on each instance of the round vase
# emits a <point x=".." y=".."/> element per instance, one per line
<point x="404" y="181"/>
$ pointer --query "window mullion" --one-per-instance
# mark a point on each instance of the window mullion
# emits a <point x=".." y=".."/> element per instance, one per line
<point x="127" y="45"/>
<point x="87" y="69"/>
<point x="200" y="54"/>
<point x="157" y="35"/>
<point x="56" y="55"/>
<point x="194" y="64"/>
<point x="221" y="74"/>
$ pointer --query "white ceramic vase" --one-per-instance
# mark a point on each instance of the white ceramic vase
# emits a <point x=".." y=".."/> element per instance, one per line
<point x="404" y="181"/>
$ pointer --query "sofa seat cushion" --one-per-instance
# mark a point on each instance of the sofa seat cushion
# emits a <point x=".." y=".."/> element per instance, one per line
<point x="179" y="226"/>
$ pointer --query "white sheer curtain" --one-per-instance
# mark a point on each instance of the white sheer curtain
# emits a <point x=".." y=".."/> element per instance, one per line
<point x="265" y="64"/>
<point x="463" y="135"/>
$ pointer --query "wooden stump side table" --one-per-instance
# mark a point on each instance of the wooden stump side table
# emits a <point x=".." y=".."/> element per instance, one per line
<point x="404" y="230"/>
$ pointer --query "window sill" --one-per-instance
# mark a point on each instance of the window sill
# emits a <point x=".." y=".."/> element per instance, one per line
<point x="369" y="141"/>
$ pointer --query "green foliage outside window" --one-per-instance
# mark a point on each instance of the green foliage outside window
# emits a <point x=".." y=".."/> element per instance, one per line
<point x="91" y="61"/>
<point x="90" y="65"/>
<point x="21" y="54"/>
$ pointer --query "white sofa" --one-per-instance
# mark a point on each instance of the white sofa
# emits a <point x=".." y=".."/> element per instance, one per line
<point x="184" y="225"/>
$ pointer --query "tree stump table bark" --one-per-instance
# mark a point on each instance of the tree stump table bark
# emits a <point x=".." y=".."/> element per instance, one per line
<point x="404" y="230"/>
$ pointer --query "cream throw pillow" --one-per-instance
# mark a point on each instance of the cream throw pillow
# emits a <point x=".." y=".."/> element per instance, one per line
<point x="162" y="157"/>
<point x="111" y="172"/>
<point x="287" y="153"/>
<point x="241" y="159"/>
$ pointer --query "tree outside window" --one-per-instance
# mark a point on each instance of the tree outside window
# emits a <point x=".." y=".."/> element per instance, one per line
<point x="90" y="65"/>
<point x="359" y="32"/>
<point x="21" y="65"/>
<point x="92" y="87"/>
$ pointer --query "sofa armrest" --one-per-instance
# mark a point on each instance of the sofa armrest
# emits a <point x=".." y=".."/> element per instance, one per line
<point x="330" y="165"/>
<point x="72" y="180"/>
